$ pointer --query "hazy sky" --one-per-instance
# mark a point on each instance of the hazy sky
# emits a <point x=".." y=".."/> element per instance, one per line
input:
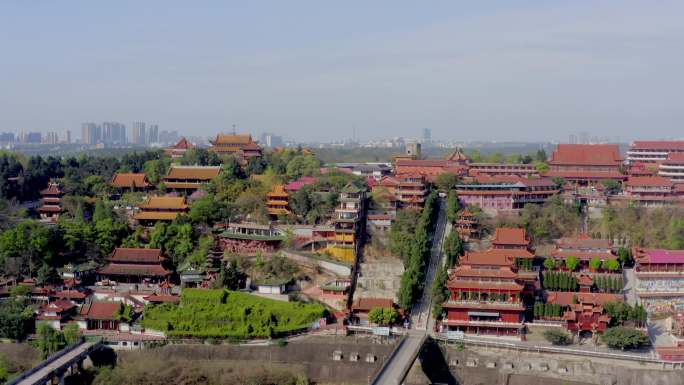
<point x="310" y="70"/>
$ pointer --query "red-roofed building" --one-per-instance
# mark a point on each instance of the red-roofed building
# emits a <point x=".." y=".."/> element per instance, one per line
<point x="503" y="193"/>
<point x="135" y="265"/>
<point x="412" y="189"/>
<point x="673" y="167"/>
<point x="51" y="202"/>
<point x="651" y="190"/>
<point x="362" y="306"/>
<point x="660" y="279"/>
<point x="237" y="144"/>
<point x="100" y="316"/>
<point x="502" y="169"/>
<point x="584" y="311"/>
<point x="179" y="149"/>
<point x="584" y="248"/>
<point x="586" y="163"/>
<point x="299" y="183"/>
<point x="455" y="163"/>
<point x="489" y="293"/>
<point x="653" y="151"/>
<point x="55" y="313"/>
<point x="510" y="238"/>
<point x="131" y="181"/>
<point x="466" y="225"/>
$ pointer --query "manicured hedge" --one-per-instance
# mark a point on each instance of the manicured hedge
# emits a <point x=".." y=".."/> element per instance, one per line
<point x="208" y="313"/>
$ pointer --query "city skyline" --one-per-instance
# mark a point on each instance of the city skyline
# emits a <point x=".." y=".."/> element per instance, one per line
<point x="529" y="71"/>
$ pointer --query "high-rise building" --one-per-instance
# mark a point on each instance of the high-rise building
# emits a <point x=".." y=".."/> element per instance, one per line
<point x="91" y="133"/>
<point x="34" y="137"/>
<point x="67" y="137"/>
<point x="51" y="138"/>
<point x="153" y="134"/>
<point x="138" y="135"/>
<point x="427" y="134"/>
<point x="113" y="133"/>
<point x="271" y="140"/>
<point x="167" y="137"/>
<point x="7" y="137"/>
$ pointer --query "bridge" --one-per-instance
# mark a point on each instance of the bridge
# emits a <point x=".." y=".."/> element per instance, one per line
<point x="57" y="366"/>
<point x="400" y="361"/>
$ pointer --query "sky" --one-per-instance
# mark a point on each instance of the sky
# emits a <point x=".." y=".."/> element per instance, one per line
<point x="323" y="70"/>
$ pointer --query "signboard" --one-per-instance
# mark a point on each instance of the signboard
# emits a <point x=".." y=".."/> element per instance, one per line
<point x="381" y="331"/>
<point x="455" y="335"/>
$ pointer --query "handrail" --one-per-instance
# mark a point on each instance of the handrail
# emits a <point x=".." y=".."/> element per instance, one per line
<point x="388" y="360"/>
<point x="561" y="350"/>
<point x="49" y="360"/>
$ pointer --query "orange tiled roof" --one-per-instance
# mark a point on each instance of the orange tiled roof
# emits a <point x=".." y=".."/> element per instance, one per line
<point x="155" y="216"/>
<point x="164" y="203"/>
<point x="510" y="236"/>
<point x="136" y="254"/>
<point x="495" y="257"/>
<point x="587" y="154"/>
<point x="202" y="173"/>
<point x="230" y="139"/>
<point x="564" y="298"/>
<point x="366" y="304"/>
<point x="657" y="145"/>
<point x="121" y="179"/>
<point x="648" y="181"/>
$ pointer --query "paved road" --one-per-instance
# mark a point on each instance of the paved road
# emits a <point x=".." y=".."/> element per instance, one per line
<point x="630" y="286"/>
<point x="421" y="318"/>
<point x="56" y="364"/>
<point x="395" y="370"/>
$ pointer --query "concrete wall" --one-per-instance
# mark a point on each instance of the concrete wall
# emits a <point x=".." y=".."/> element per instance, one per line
<point x="474" y="365"/>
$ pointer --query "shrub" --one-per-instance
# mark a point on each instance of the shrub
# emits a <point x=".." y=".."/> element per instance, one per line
<point x="558" y="336"/>
<point x="625" y="338"/>
<point x="227" y="314"/>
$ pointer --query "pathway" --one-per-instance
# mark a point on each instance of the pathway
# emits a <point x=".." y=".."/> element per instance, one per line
<point x="57" y="364"/>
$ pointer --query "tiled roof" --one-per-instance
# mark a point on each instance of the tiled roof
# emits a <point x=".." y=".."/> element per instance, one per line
<point x="583" y="242"/>
<point x="52" y="189"/>
<point x="674" y="158"/>
<point x="101" y="310"/>
<point x="299" y="183"/>
<point x="469" y="271"/>
<point x="222" y="139"/>
<point x="138" y="255"/>
<point x="183" y="144"/>
<point x="478" y="285"/>
<point x="657" y="145"/>
<point x="162" y="298"/>
<point x="71" y="294"/>
<point x="155" y="215"/>
<point x="582" y="255"/>
<point x="494" y="257"/>
<point x="134" y="269"/>
<point x="648" y="181"/>
<point x="367" y="304"/>
<point x="205" y="173"/>
<point x="586" y="154"/>
<point x="659" y="256"/>
<point x="565" y="298"/>
<point x="585" y="174"/>
<point x="164" y="203"/>
<point x="510" y="236"/>
<point x="130" y="180"/>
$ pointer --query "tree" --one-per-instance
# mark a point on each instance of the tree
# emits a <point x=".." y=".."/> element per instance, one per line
<point x="446" y="181"/>
<point x="303" y="165"/>
<point x="595" y="263"/>
<point x="230" y="277"/>
<point x="440" y="292"/>
<point x="453" y="206"/>
<point x="49" y="340"/>
<point x="625" y="338"/>
<point x="612" y="186"/>
<point x="453" y="248"/>
<point x="550" y="263"/>
<point x="383" y="316"/>
<point x="72" y="333"/>
<point x="625" y="257"/>
<point x="613" y="265"/>
<point x="16" y="320"/>
<point x="572" y="263"/>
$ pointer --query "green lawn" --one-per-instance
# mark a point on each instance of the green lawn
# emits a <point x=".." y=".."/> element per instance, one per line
<point x="228" y="314"/>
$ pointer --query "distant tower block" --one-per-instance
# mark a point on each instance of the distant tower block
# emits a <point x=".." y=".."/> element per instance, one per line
<point x="413" y="150"/>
